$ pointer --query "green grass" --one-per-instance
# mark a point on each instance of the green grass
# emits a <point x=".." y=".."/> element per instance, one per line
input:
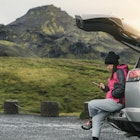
<point x="66" y="81"/>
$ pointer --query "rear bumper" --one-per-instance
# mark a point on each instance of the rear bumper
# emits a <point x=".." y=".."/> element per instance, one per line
<point x="128" y="120"/>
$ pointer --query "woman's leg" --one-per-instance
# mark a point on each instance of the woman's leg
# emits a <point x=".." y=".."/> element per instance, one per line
<point x="97" y="122"/>
<point x="107" y="105"/>
<point x="98" y="110"/>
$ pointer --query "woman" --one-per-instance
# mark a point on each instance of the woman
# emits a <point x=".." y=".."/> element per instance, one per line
<point x="99" y="109"/>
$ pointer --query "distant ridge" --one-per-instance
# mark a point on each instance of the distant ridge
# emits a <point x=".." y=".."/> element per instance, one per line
<point x="47" y="31"/>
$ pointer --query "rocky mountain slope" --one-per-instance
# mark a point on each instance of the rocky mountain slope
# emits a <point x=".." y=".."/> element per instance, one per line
<point x="48" y="31"/>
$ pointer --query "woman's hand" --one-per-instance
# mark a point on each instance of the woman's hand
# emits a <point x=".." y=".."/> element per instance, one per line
<point x="102" y="86"/>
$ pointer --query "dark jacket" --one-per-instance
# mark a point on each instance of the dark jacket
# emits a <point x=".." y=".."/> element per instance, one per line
<point x="116" y="85"/>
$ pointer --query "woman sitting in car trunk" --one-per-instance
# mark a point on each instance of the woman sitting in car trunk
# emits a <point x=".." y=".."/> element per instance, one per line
<point x="99" y="109"/>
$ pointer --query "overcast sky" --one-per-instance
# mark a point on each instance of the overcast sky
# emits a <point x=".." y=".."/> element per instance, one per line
<point x="127" y="9"/>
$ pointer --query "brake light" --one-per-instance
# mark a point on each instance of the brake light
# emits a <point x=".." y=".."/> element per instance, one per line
<point x="133" y="75"/>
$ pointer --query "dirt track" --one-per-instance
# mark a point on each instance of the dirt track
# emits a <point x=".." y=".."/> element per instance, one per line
<point x="35" y="127"/>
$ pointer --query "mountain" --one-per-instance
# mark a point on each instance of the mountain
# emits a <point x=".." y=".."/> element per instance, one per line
<point x="49" y="32"/>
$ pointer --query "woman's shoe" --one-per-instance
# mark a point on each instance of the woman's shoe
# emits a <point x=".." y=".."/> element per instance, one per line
<point x="88" y="125"/>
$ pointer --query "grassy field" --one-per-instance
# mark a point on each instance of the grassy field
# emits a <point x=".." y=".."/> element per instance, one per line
<point x="67" y="81"/>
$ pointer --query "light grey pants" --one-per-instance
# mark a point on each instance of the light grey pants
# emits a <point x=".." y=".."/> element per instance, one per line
<point x="99" y="109"/>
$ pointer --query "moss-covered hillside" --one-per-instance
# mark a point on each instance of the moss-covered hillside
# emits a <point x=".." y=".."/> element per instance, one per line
<point x="67" y="81"/>
<point x="49" y="32"/>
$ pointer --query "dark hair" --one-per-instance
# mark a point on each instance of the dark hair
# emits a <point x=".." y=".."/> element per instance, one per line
<point x="113" y="70"/>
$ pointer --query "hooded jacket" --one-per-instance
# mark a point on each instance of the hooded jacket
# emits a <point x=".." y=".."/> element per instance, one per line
<point x="116" y="85"/>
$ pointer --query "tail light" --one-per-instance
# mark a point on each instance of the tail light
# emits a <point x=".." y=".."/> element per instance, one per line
<point x="133" y="75"/>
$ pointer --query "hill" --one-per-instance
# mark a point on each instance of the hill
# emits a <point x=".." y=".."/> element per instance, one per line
<point x="67" y="81"/>
<point x="49" y="32"/>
